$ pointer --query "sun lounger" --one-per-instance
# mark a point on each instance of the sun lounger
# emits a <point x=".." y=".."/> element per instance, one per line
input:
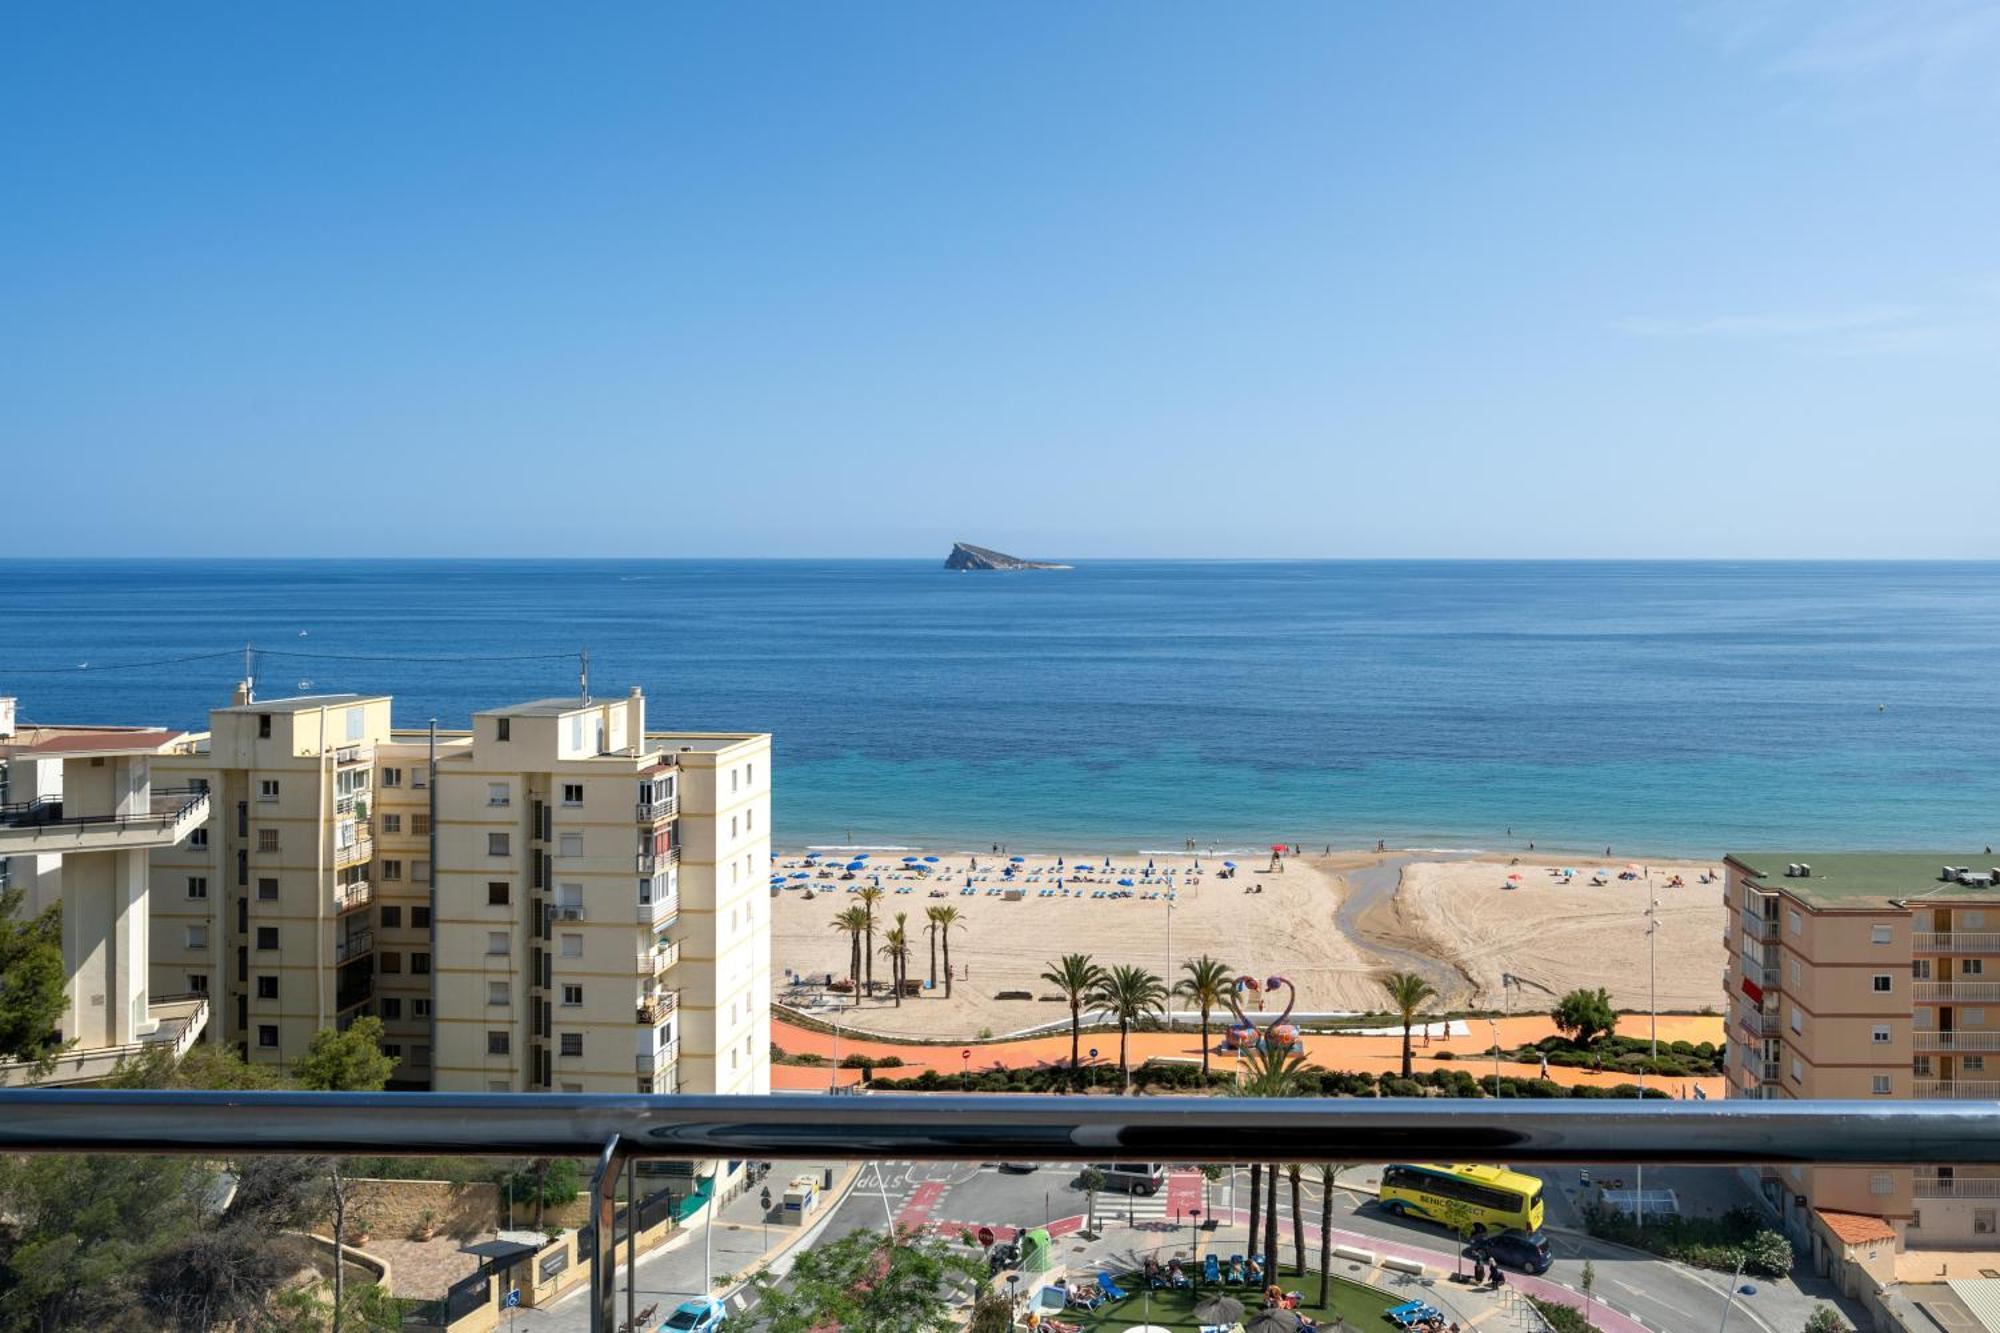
<point x="1111" y="1290"/>
<point x="1211" y="1271"/>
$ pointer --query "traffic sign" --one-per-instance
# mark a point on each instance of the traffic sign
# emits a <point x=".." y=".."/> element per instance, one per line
<point x="985" y="1236"/>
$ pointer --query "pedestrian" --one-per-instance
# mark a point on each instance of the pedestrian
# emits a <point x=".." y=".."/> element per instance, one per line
<point x="1545" y="1065"/>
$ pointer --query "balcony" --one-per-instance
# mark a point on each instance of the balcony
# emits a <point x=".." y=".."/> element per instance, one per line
<point x="1757" y="1023"/>
<point x="1957" y="1041"/>
<point x="656" y="1005"/>
<point x="652" y="812"/>
<point x="166" y="817"/>
<point x="654" y="1062"/>
<point x="180" y="1020"/>
<point x="1953" y="992"/>
<point x="1760" y="927"/>
<point x="650" y="862"/>
<point x="1768" y="978"/>
<point x="353" y="754"/>
<point x="1957" y="1089"/>
<point x="1956" y="941"/>
<point x="658" y="958"/>
<point x="1929" y="1185"/>
<point x="353" y="895"/>
<point x="354" y="853"/>
<point x="352" y="946"/>
<point x="661" y="911"/>
<point x="566" y="912"/>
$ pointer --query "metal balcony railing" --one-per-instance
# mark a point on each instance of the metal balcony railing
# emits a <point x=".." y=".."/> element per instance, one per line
<point x="163" y="806"/>
<point x="352" y="754"/>
<point x="1956" y="941"/>
<point x="1957" y="1041"/>
<point x="350" y="947"/>
<point x="1768" y="978"/>
<point x="353" y="895"/>
<point x="649" y="862"/>
<point x="652" y="812"/>
<point x="1757" y="1023"/>
<point x="657" y="1005"/>
<point x="652" y="1063"/>
<point x="355" y="852"/>
<point x="1957" y="1089"/>
<point x="1935" y="992"/>
<point x="1760" y="927"/>
<point x="656" y="958"/>
<point x="1928" y="1185"/>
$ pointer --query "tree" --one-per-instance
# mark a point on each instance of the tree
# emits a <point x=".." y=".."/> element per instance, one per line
<point x="1586" y="1282"/>
<point x="216" y="1068"/>
<point x="1271" y="1224"/>
<point x="943" y="919"/>
<point x="930" y="929"/>
<point x="1090" y="1180"/>
<point x="854" y="922"/>
<point x="1130" y="993"/>
<point x="868" y="898"/>
<point x="1407" y="994"/>
<point x="1076" y="975"/>
<point x="1292" y="1172"/>
<point x="1256" y="1201"/>
<point x="350" y="1061"/>
<point x="1825" y="1319"/>
<point x="1329" y="1179"/>
<point x="33" y="982"/>
<point x="1457" y="1214"/>
<point x="896" y="948"/>
<point x="867" y="1282"/>
<point x="1585" y="1015"/>
<point x="1205" y="986"/>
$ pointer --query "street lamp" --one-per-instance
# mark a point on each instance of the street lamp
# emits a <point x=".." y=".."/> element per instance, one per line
<point x="1194" y="1249"/>
<point x="1495" y="1027"/>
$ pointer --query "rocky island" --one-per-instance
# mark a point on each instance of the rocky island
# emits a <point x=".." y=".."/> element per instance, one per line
<point x="968" y="557"/>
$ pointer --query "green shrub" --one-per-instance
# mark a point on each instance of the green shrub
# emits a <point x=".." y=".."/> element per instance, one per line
<point x="1563" y="1318"/>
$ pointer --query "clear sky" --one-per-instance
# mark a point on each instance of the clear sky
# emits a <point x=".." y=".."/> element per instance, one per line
<point x="1534" y="279"/>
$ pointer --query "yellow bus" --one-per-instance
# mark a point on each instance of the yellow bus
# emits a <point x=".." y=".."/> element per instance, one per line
<point x="1495" y="1198"/>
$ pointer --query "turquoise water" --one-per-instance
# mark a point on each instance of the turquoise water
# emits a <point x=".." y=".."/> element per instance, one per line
<point x="1649" y="707"/>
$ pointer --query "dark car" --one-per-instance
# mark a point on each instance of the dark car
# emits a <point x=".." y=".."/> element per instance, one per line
<point x="1525" y="1251"/>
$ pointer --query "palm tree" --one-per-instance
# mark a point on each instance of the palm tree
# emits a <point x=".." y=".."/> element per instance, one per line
<point x="942" y="920"/>
<point x="1130" y="993"/>
<point x="1076" y="975"/>
<point x="1206" y="984"/>
<point x="930" y="929"/>
<point x="1329" y="1173"/>
<point x="1292" y="1173"/>
<point x="853" y="921"/>
<point x="869" y="897"/>
<point x="1256" y="1201"/>
<point x="1269" y="1072"/>
<point x="896" y="948"/>
<point x="1271" y="1224"/>
<point x="1407" y="993"/>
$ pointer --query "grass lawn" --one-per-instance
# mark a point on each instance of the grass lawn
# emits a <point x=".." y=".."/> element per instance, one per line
<point x="1359" y="1305"/>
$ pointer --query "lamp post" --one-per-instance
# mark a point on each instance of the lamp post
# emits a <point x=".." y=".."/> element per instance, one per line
<point x="1194" y="1249"/>
<point x="1494" y="1026"/>
<point x="833" y="1070"/>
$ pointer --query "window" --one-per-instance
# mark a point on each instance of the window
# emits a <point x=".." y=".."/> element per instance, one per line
<point x="1973" y="1064"/>
<point x="197" y="886"/>
<point x="1921" y="969"/>
<point x="392" y="823"/>
<point x="1798" y="972"/>
<point x="572" y="1043"/>
<point x="267" y="988"/>
<point x="1884" y="983"/>
<point x="391" y="963"/>
<point x="198" y="839"/>
<point x="267" y="937"/>
<point x="496" y="844"/>
<point x="496" y="992"/>
<point x="1972" y="967"/>
<point x="499" y="794"/>
<point x="1792" y="922"/>
<point x="263" y="726"/>
<point x="420" y="872"/>
<point x="1879" y="934"/>
<point x="1982" y="1221"/>
<point x="1920" y="1065"/>
<point x="503" y="728"/>
<point x="420" y="826"/>
<point x="267" y="890"/>
<point x="267" y="789"/>
<point x="1881" y="1183"/>
<point x="749" y="820"/>
<point x="572" y="793"/>
<point x="420" y="917"/>
<point x="572" y="946"/>
<point x="1972" y="920"/>
<point x="732" y="826"/>
<point x="197" y="983"/>
<point x="392" y="1050"/>
<point x="570" y="844"/>
<point x="390" y="869"/>
<point x="749" y="775"/>
<point x="420" y="1008"/>
<point x="496" y="893"/>
<point x="392" y="916"/>
<point x="1972" y="1018"/>
<point x="496" y="1043"/>
<point x="1798" y="1023"/>
<point x="420" y="964"/>
<point x="197" y="937"/>
<point x="1798" y="1071"/>
<point x="572" y="995"/>
<point x="267" y="840"/>
<point x="1880" y="1035"/>
<point x="734" y="775"/>
<point x="267" y="1035"/>
<point x="420" y="777"/>
<point x="392" y="777"/>
<point x="1879" y="1085"/>
<point x="496" y="942"/>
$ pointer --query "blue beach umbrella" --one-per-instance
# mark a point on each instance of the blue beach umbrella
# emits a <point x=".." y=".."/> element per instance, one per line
<point x="1017" y="860"/>
<point x="802" y="874"/>
<point x="857" y="865"/>
<point x="931" y="859"/>
<point x="909" y="860"/>
<point x="1125" y="883"/>
<point x="1229" y="865"/>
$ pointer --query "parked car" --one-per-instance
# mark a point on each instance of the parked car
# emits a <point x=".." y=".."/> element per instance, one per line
<point x="1014" y="1168"/>
<point x="699" y="1315"/>
<point x="1526" y="1251"/>
<point x="1134" y="1177"/>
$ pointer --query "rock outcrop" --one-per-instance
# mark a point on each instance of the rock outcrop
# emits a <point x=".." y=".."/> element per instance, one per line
<point x="965" y="556"/>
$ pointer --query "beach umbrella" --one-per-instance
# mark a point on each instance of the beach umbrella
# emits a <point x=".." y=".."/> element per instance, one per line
<point x="931" y="859"/>
<point x="1271" y="1321"/>
<point x="1277" y="846"/>
<point x="1229" y="865"/>
<point x="910" y="860"/>
<point x="1216" y="1308"/>
<point x="812" y="856"/>
<point x="857" y="865"/>
<point x="1017" y="860"/>
<point x="1125" y="883"/>
<point x="802" y="874"/>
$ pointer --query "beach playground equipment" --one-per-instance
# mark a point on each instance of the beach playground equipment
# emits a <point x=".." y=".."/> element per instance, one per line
<point x="1281" y="1035"/>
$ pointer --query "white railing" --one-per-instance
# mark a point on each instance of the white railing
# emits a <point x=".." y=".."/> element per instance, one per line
<point x="660" y="1059"/>
<point x="656" y="1005"/>
<point x="1935" y="991"/>
<point x="1957" y="1089"/>
<point x="662" y="909"/>
<point x="1758" y="1024"/>
<point x="1956" y="941"/>
<point x="355" y="852"/>
<point x="652" y="812"/>
<point x="648" y="862"/>
<point x="1957" y="1041"/>
<point x="349" y="896"/>
<point x="653" y="960"/>
<point x="1925" y="1186"/>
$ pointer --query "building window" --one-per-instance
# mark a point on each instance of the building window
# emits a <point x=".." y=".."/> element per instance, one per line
<point x="733" y="776"/>
<point x="392" y="823"/>
<point x="496" y="942"/>
<point x="749" y="775"/>
<point x="496" y="893"/>
<point x="496" y="1043"/>
<point x="1884" y="983"/>
<point x="267" y="988"/>
<point x="267" y="937"/>
<point x="420" y="918"/>
<point x="420" y="1007"/>
<point x="572" y="1044"/>
<point x="392" y="777"/>
<point x="1879" y="935"/>
<point x="197" y="886"/>
<point x="263" y="726"/>
<point x="198" y="839"/>
<point x="267" y="1035"/>
<point x="496" y="844"/>
<point x="749" y="821"/>
<point x="1798" y="1023"/>
<point x="1798" y="972"/>
<point x="496" y="992"/>
<point x="392" y="1050"/>
<point x="1972" y="1018"/>
<point x="420" y="872"/>
<point x="1792" y="922"/>
<point x="503" y="728"/>
<point x="267" y="840"/>
<point x="1798" y="1071"/>
<point x="1974" y="1064"/>
<point x="572" y="793"/>
<point x="499" y="794"/>
<point x="1920" y="968"/>
<point x="420" y="964"/>
<point x="572" y="995"/>
<point x="1972" y="967"/>
<point x="572" y="946"/>
<point x="267" y="890"/>
<point x="732" y="827"/>
<point x="1982" y="1221"/>
<point x="391" y="869"/>
<point x="1920" y="1065"/>
<point x="420" y="777"/>
<point x="1879" y="1085"/>
<point x="391" y="963"/>
<point x="1881" y="1034"/>
<point x="1973" y="920"/>
<point x="570" y="844"/>
<point x="1881" y="1183"/>
<point x="392" y="916"/>
<point x="197" y="983"/>
<point x="420" y="826"/>
<point x="267" y="789"/>
<point x="197" y="937"/>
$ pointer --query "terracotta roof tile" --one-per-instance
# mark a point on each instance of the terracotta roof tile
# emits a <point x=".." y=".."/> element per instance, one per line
<point x="1855" y="1228"/>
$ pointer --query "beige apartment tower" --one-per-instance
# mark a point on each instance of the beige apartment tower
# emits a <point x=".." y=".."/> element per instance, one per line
<point x="1865" y="977"/>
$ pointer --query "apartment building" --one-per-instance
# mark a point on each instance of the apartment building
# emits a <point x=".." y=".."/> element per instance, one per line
<point x="80" y="812"/>
<point x="1864" y="977"/>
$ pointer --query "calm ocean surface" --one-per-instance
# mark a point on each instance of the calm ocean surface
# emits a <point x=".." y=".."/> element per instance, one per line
<point x="1654" y="707"/>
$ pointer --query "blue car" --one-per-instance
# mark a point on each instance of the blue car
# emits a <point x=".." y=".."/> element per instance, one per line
<point x="699" y="1315"/>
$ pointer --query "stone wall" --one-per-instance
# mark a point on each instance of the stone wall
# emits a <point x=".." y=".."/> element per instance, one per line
<point x="393" y="1208"/>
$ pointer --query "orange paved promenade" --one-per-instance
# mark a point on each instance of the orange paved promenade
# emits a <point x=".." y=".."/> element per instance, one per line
<point x="1378" y="1055"/>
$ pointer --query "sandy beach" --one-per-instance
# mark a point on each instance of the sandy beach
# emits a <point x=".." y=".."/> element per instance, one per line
<point x="1466" y="919"/>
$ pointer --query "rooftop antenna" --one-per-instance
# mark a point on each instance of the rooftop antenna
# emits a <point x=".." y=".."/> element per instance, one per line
<point x="583" y="672"/>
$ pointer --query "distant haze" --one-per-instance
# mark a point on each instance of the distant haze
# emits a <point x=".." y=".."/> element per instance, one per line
<point x="1569" y="279"/>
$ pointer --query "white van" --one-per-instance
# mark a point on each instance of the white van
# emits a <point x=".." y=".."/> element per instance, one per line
<point x="1132" y="1177"/>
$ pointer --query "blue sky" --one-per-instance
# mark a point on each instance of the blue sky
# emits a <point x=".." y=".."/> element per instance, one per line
<point x="1089" y="280"/>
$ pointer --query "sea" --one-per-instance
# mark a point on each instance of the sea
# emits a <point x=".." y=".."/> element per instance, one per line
<point x="1651" y="708"/>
